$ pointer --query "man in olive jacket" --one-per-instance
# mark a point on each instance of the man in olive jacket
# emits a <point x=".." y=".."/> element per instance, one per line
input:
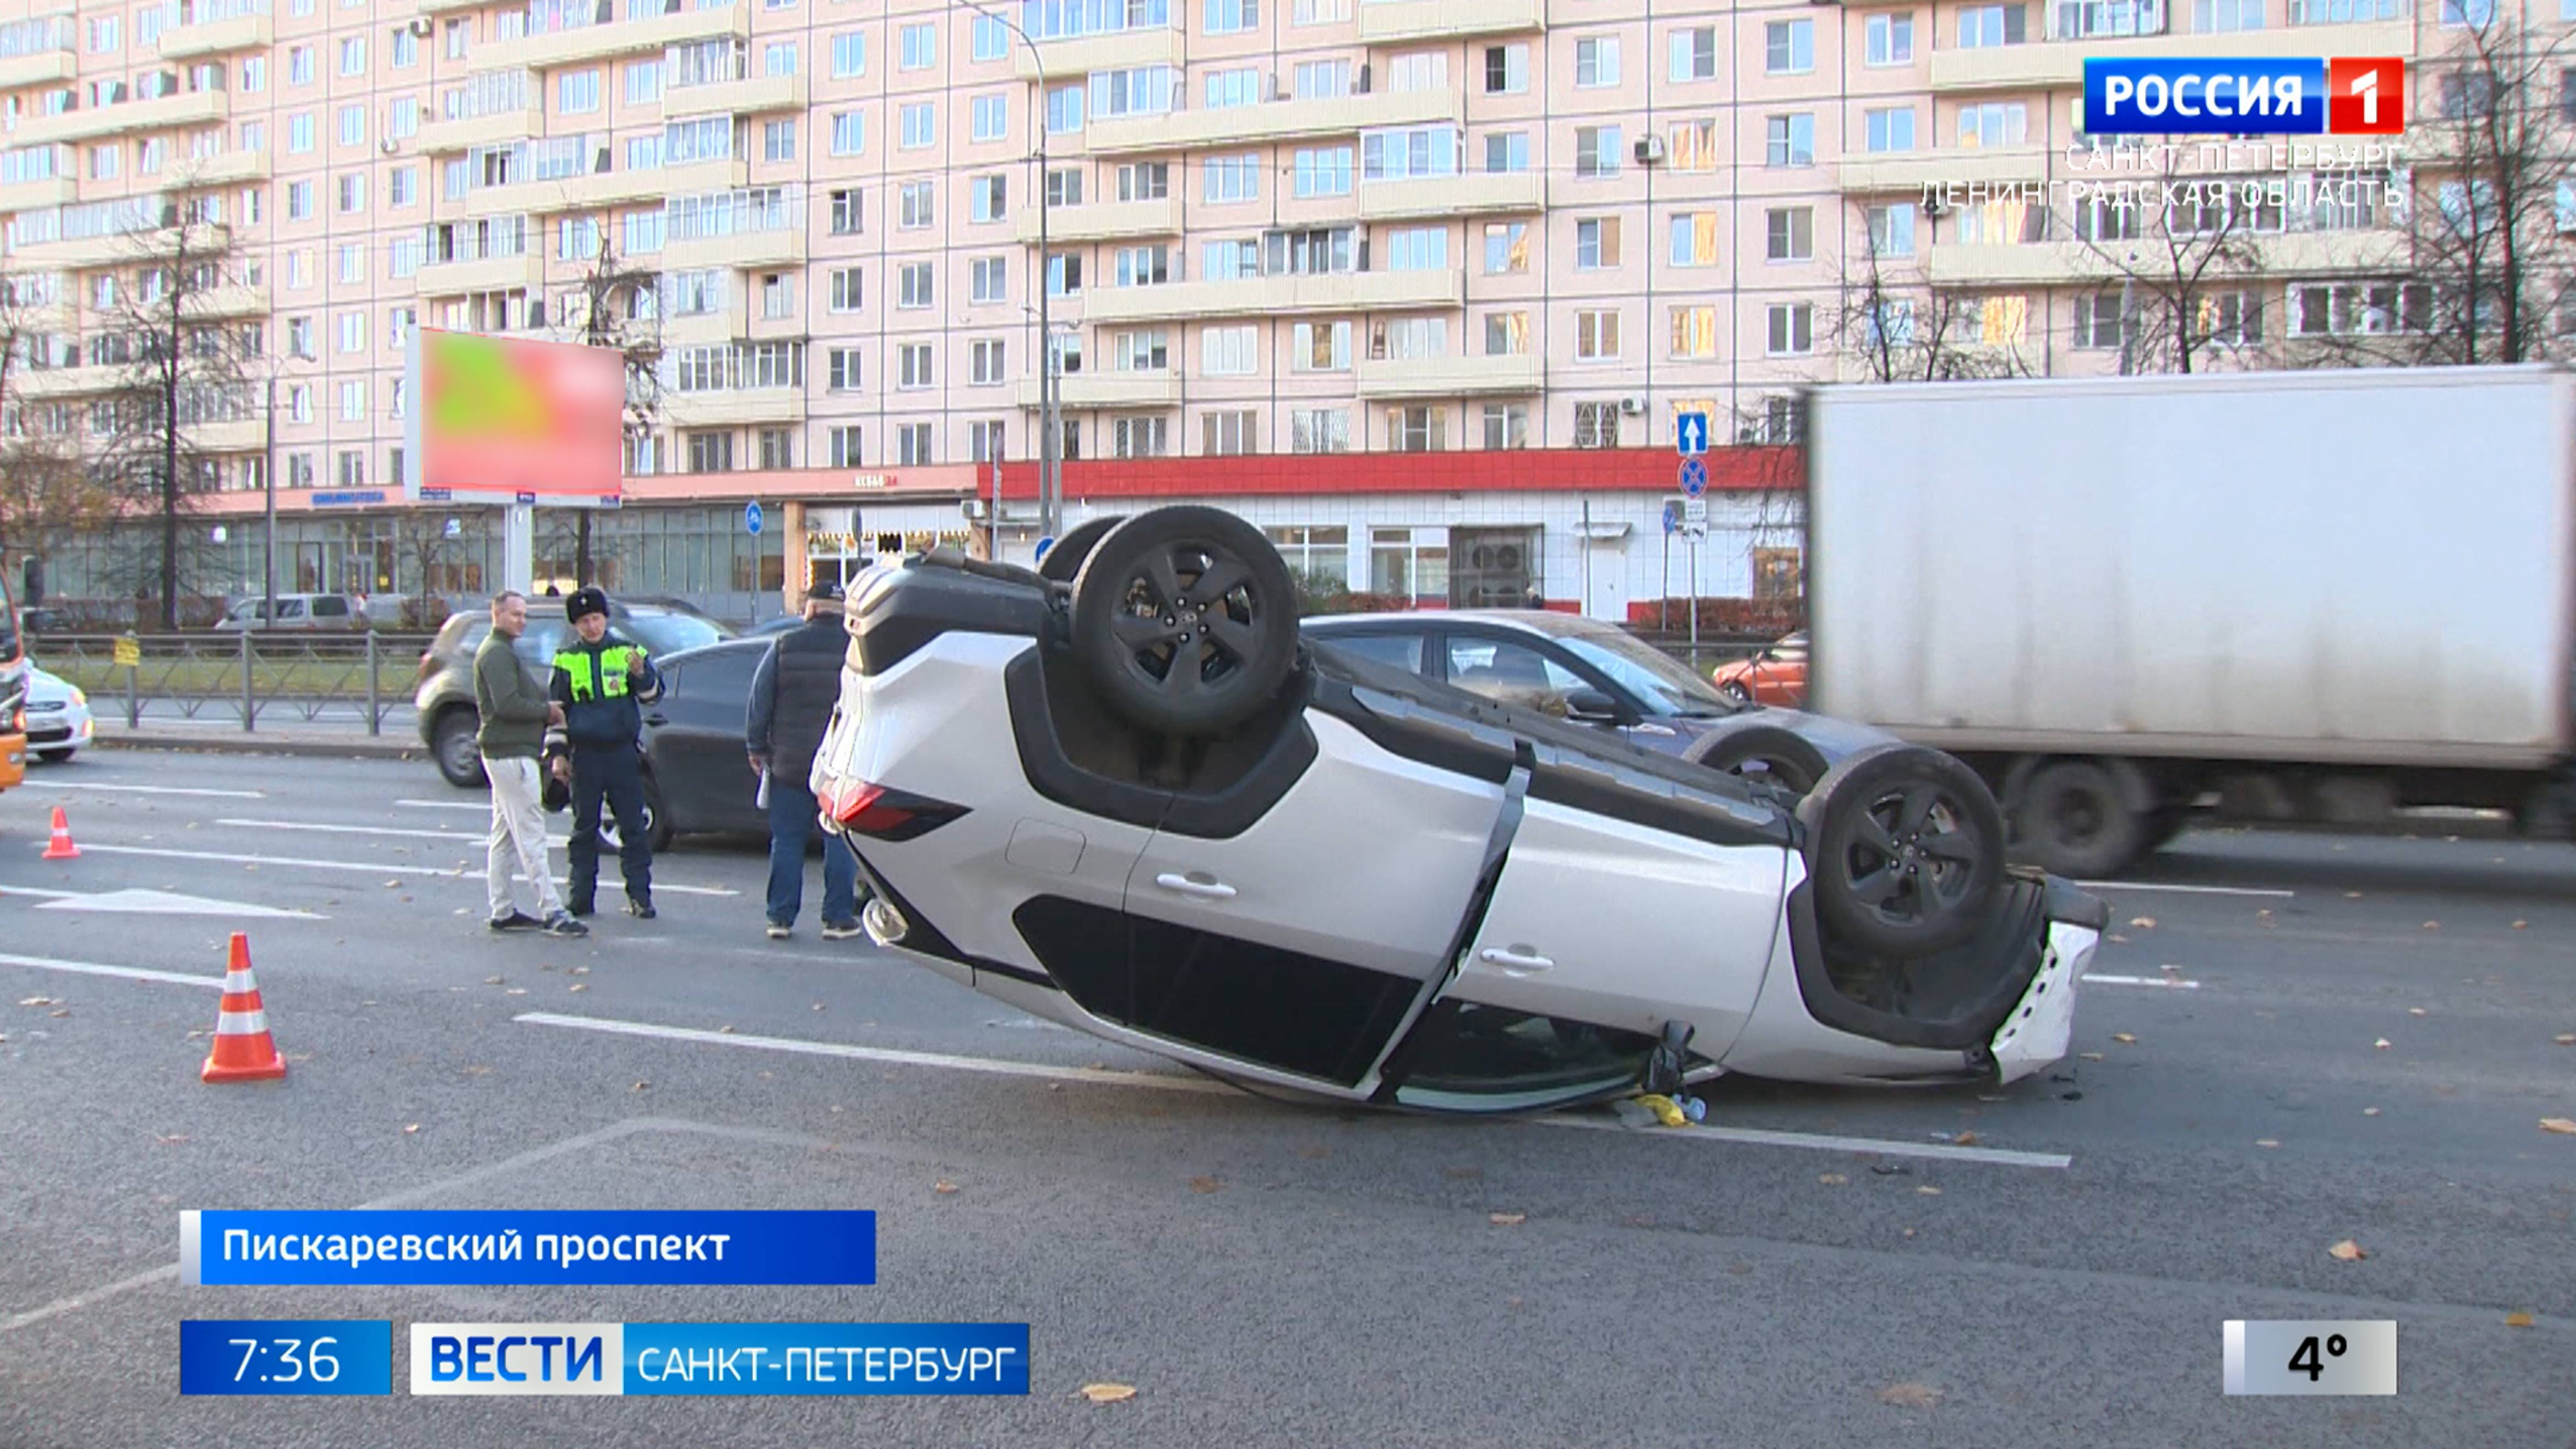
<point x="515" y="713"/>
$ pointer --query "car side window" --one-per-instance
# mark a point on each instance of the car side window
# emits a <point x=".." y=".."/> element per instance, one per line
<point x="723" y="678"/>
<point x="671" y="674"/>
<point x="1512" y="674"/>
<point x="1402" y="651"/>
<point x="290" y="608"/>
<point x="330" y="608"/>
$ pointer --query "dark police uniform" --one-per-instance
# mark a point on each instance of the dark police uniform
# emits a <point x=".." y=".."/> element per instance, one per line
<point x="603" y="693"/>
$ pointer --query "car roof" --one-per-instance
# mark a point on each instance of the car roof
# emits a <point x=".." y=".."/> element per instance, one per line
<point x="1527" y="621"/>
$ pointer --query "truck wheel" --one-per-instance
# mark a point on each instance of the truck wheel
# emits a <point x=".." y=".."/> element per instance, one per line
<point x="2074" y="821"/>
<point x="1185" y="619"/>
<point x="1905" y="846"/>
<point x="459" y="758"/>
<point x="1761" y="753"/>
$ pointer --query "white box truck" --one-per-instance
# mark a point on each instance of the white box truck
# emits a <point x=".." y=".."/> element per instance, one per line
<point x="2324" y="595"/>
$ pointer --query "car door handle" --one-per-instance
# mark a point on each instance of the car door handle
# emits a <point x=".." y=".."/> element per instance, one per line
<point x="1203" y="887"/>
<point x="1517" y="962"/>
<point x="657" y="719"/>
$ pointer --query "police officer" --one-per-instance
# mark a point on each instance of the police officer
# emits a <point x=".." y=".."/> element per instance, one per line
<point x="602" y="685"/>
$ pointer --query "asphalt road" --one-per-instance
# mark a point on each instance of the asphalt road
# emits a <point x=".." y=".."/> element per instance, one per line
<point x="2328" y="1039"/>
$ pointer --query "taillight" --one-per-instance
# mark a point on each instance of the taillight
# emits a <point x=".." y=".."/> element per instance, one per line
<point x="883" y="814"/>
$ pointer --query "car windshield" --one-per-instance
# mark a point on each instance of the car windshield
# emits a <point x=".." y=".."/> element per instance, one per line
<point x="1667" y="685"/>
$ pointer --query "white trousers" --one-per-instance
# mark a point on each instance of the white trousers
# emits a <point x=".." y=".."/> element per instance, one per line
<point x="518" y="841"/>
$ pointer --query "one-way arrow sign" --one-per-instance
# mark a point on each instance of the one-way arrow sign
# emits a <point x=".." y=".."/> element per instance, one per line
<point x="1690" y="434"/>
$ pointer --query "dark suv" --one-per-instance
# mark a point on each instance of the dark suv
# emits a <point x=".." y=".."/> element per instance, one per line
<point x="448" y="719"/>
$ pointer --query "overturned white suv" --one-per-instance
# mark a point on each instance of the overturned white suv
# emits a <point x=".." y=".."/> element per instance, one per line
<point x="1124" y="794"/>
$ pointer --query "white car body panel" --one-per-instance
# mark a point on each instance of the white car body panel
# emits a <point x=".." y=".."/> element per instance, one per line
<point x="2042" y="1023"/>
<point x="68" y="712"/>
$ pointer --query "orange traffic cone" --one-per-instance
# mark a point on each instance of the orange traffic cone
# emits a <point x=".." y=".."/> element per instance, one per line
<point x="61" y="847"/>
<point x="243" y="1050"/>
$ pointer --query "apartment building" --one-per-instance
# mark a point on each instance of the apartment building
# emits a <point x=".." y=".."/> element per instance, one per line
<point x="1271" y="227"/>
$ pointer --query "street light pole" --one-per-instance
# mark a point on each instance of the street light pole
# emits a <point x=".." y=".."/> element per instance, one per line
<point x="1051" y="431"/>
<point x="268" y="536"/>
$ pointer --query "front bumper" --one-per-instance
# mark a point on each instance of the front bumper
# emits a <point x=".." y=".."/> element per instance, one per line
<point x="2042" y="1024"/>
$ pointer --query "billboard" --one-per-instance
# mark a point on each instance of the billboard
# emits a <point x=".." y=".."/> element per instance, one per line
<point x="507" y="419"/>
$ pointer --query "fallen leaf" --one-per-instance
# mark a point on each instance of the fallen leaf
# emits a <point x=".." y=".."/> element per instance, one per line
<point x="192" y="1036"/>
<point x="37" y="1001"/>
<point x="171" y="1139"/>
<point x="478" y="1071"/>
<point x="1507" y="1220"/>
<point x="2517" y="1319"/>
<point x="2370" y="1111"/>
<point x="1888" y="1169"/>
<point x="1832" y="1179"/>
<point x="2347" y="1251"/>
<point x="2143" y="923"/>
<point x="2267" y="1141"/>
<point x="1964" y="1139"/>
<point x="648" y="1086"/>
<point x="389" y="885"/>
<point x="1108" y="1393"/>
<point x="1910" y="1396"/>
<point x="2124" y="1038"/>
<point x="2432" y="925"/>
<point x="2352" y="895"/>
<point x="492" y="980"/>
<point x="726" y="1030"/>
<point x="818" y="1006"/>
<point x="581" y="971"/>
<point x="412" y="1130"/>
<point x="943" y="1185"/>
<point x="1513" y="1302"/>
<point x="2381" y="1044"/>
<point x="1928" y="1190"/>
<point x="515" y="991"/>
<point x="60" y="1011"/>
<point x="2092" y="1056"/>
<point x="2417" y="1011"/>
<point x="2119" y="940"/>
<point x="581" y="986"/>
<point x="2559" y="1125"/>
<point x="2565" y="1038"/>
<point x="2521" y="925"/>
<point x="1909" y="1232"/>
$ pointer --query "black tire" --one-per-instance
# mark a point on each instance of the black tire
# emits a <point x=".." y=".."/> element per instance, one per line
<point x="1064" y="560"/>
<point x="2166" y="823"/>
<point x="1763" y="752"/>
<point x="1165" y="655"/>
<point x="1905" y="847"/>
<point x="1734" y="689"/>
<point x="452" y="743"/>
<point x="56" y="757"/>
<point x="658" y="828"/>
<point x="2072" y="820"/>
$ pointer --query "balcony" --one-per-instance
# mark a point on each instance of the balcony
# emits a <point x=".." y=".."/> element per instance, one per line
<point x="633" y="37"/>
<point x="242" y="435"/>
<point x="484" y="274"/>
<point x="222" y="37"/>
<point x="740" y="250"/>
<point x="1103" y="221"/>
<point x="1910" y="172"/>
<point x="116" y="249"/>
<point x="38" y="195"/>
<point x="1388" y="22"/>
<point x="1081" y="55"/>
<point x="699" y="329"/>
<point x="230" y="168"/>
<point x="49" y="67"/>
<point x="1444" y="377"/>
<point x="1470" y="193"/>
<point x="497" y="129"/>
<point x="449" y="7"/>
<point x="740" y="407"/>
<point x="1277" y="121"/>
<point x="1962" y="264"/>
<point x="595" y="190"/>
<point x="1084" y="391"/>
<point x="747" y="97"/>
<point x="237" y="300"/>
<point x="2312" y="252"/>
<point x="198" y="108"/>
<point x="1258" y="296"/>
<point x="33" y="384"/>
<point x="2059" y="64"/>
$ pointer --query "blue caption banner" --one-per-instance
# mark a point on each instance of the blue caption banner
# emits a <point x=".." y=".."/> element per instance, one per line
<point x="719" y="1359"/>
<point x="285" y="1356"/>
<point x="406" y="1248"/>
<point x="2139" y="97"/>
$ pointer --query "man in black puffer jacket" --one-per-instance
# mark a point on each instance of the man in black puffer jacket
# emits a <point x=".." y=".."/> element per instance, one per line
<point x="792" y="697"/>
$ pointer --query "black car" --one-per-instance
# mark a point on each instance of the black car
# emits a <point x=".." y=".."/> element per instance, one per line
<point x="1586" y="672"/>
<point x="697" y="778"/>
<point x="445" y="699"/>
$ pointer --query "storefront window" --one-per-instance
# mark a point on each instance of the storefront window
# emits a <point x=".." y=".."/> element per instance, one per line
<point x="1321" y="555"/>
<point x="1410" y="563"/>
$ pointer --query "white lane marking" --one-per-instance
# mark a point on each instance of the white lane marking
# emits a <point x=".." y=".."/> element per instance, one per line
<point x="353" y="830"/>
<point x="121" y="973"/>
<point x="146" y="789"/>
<point x="1156" y="1081"/>
<point x="451" y="873"/>
<point x="164" y="903"/>
<point x="19" y="890"/>
<point x="2187" y="890"/>
<point x="479" y="807"/>
<point x="2169" y="983"/>
<point x="1161" y="1082"/>
<point x="66" y="1305"/>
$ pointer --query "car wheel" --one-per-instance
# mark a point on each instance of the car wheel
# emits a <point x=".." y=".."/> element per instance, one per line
<point x="658" y="829"/>
<point x="2074" y="821"/>
<point x="1906" y="849"/>
<point x="1762" y="753"/>
<point x="1064" y="560"/>
<point x="1185" y="619"/>
<point x="459" y="758"/>
<point x="1735" y="690"/>
<point x="54" y="757"/>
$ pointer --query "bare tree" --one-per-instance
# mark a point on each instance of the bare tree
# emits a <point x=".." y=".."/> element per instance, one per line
<point x="1897" y="327"/>
<point x="46" y="496"/>
<point x="618" y="305"/>
<point x="2181" y="252"/>
<point x="182" y="368"/>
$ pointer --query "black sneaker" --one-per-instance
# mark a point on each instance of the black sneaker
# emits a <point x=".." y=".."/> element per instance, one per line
<point x="579" y="908"/>
<point x="641" y="908"/>
<point x="564" y="925"/>
<point x="515" y="921"/>
<point x="840" y="930"/>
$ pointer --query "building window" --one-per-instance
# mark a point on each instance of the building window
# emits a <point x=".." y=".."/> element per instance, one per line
<point x="577" y="92"/>
<point x="1229" y="434"/>
<point x="1694" y="146"/>
<point x="1233" y="178"/>
<point x="849" y="54"/>
<point x="990" y="200"/>
<point x="991" y="117"/>
<point x="1320" y="347"/>
<point x="1891" y="229"/>
<point x="920" y="126"/>
<point x="1506" y="70"/>
<point x="1507" y="248"/>
<point x="914" y="370"/>
<point x="1506" y="426"/>
<point x="843" y="446"/>
<point x="1323" y="171"/>
<point x="1888" y="39"/>
<point x="986" y="356"/>
<point x="841" y="369"/>
<point x="1229" y="351"/>
<point x="917" y="205"/>
<point x="1792" y="329"/>
<point x="1416" y="429"/>
<point x="2097" y="320"/>
<point x="915" y="286"/>
<point x="1148" y="350"/>
<point x="1890" y="130"/>
<point x="1507" y="153"/>
<point x="1596" y="151"/>
<point x="984" y="441"/>
<point x="1790" y="140"/>
<point x="991" y="281"/>
<point x="1596" y="243"/>
<point x="1695" y="54"/>
<point x="1695" y="332"/>
<point x="849" y="133"/>
<point x="1694" y="238"/>
<point x="1996" y="123"/>
<point x="846" y="214"/>
<point x="1319" y="430"/>
<point x="353" y="468"/>
<point x="1789" y="234"/>
<point x="711" y="452"/>
<point x="920" y="47"/>
<point x="1232" y="17"/>
<point x="777" y="448"/>
<point x="1789" y="47"/>
<point x="1596" y="61"/>
<point x="1596" y="336"/>
<point x="1987" y="26"/>
<point x="1140" y="437"/>
<point x="778" y="140"/>
<point x="1507" y="334"/>
<point x="913" y="446"/>
<point x="1596" y="425"/>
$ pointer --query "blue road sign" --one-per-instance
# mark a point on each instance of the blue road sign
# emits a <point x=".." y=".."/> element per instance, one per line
<point x="1694" y="477"/>
<point x="1672" y="516"/>
<point x="1044" y="544"/>
<point x="1690" y="434"/>
<point x="751" y="518"/>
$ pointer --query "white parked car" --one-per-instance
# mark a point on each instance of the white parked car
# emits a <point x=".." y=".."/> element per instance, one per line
<point x="58" y="719"/>
<point x="299" y="611"/>
<point x="1122" y="793"/>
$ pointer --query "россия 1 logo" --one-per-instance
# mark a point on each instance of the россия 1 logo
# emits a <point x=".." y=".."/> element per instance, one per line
<point x="2347" y="96"/>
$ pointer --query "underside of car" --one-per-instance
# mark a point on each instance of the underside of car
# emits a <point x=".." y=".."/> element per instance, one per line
<point x="1124" y="794"/>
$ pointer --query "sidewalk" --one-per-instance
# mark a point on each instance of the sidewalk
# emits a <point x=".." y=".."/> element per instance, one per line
<point x="290" y="735"/>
